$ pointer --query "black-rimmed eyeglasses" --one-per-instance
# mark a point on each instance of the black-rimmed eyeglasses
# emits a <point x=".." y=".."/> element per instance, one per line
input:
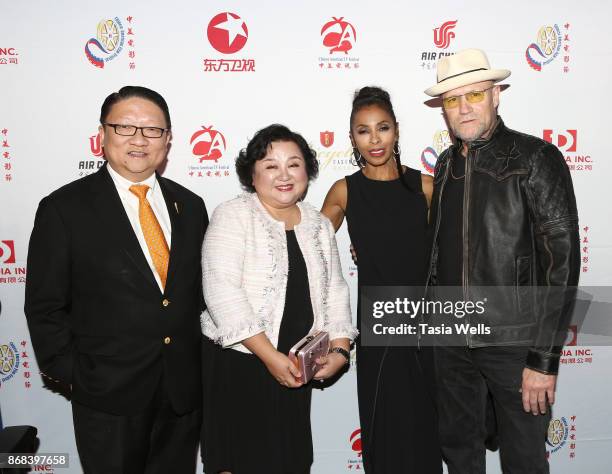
<point x="130" y="130"/>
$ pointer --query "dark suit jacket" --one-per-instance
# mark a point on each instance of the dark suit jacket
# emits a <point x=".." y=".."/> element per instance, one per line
<point x="97" y="317"/>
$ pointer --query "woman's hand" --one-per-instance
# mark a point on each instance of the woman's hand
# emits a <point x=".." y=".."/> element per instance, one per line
<point x="278" y="364"/>
<point x="283" y="370"/>
<point x="331" y="364"/>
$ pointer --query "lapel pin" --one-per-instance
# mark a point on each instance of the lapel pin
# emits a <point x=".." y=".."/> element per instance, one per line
<point x="176" y="207"/>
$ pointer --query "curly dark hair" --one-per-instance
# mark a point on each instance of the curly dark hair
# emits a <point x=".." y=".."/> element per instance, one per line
<point x="259" y="146"/>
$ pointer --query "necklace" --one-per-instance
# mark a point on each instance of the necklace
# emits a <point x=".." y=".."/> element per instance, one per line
<point x="451" y="171"/>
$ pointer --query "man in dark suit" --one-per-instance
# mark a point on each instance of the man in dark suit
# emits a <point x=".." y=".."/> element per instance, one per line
<point x="113" y="297"/>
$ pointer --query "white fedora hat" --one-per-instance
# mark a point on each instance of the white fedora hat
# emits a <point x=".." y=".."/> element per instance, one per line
<point x="465" y="67"/>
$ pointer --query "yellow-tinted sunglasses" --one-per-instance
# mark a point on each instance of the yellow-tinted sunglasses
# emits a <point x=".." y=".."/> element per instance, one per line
<point x="473" y="97"/>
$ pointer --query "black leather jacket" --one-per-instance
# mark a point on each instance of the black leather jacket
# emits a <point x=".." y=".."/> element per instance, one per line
<point x="520" y="231"/>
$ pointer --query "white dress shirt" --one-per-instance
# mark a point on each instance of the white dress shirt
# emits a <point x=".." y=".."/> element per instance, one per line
<point x="131" y="203"/>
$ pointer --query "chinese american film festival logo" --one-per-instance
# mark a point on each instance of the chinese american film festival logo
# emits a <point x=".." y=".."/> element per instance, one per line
<point x="338" y="37"/>
<point x="108" y="43"/>
<point x="562" y="433"/>
<point x="430" y="155"/>
<point x="355" y="463"/>
<point x="9" y="361"/>
<point x="208" y="146"/>
<point x="546" y="47"/>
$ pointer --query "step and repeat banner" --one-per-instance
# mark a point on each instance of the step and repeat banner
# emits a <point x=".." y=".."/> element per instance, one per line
<point x="228" y="69"/>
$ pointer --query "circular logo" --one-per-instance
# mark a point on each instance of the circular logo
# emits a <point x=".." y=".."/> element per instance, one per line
<point x="108" y="35"/>
<point x="547" y="40"/>
<point x="227" y="33"/>
<point x="557" y="433"/>
<point x="7" y="359"/>
<point x="428" y="159"/>
<point x="355" y="440"/>
<point x="441" y="141"/>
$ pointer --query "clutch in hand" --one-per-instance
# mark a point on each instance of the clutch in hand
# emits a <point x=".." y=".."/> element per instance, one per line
<point x="305" y="353"/>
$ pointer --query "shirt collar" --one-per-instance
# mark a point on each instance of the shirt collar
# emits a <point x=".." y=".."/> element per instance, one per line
<point x="124" y="184"/>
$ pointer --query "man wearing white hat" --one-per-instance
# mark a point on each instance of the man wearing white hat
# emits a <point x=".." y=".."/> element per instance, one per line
<point x="504" y="217"/>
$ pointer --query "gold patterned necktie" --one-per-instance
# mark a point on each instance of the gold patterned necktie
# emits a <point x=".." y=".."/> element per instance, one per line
<point x="153" y="234"/>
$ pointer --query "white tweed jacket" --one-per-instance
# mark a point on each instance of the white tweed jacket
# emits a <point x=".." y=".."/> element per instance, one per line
<point x="245" y="269"/>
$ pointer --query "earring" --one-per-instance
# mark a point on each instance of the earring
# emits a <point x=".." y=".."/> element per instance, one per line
<point x="357" y="159"/>
<point x="396" y="150"/>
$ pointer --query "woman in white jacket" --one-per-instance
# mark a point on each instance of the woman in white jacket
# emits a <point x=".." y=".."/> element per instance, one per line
<point x="271" y="275"/>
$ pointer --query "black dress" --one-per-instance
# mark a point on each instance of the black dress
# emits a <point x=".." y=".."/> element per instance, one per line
<point x="251" y="423"/>
<point x="387" y="224"/>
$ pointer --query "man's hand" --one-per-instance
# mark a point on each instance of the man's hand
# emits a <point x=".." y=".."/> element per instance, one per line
<point x="537" y="389"/>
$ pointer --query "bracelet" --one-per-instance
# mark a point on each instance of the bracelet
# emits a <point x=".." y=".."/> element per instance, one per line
<point x="343" y="352"/>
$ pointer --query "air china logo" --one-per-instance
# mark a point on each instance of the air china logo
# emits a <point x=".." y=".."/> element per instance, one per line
<point x="561" y="433"/>
<point x="7" y="251"/>
<point x="327" y="139"/>
<point x="8" y="56"/>
<point x="338" y="37"/>
<point x="208" y="147"/>
<point x="228" y="33"/>
<point x="444" y="34"/>
<point x="548" y="46"/>
<point x="107" y="44"/>
<point x="96" y="160"/>
<point x="95" y="145"/>
<point x="337" y="159"/>
<point x="567" y="141"/>
<point x="9" y="271"/>
<point x="9" y="361"/>
<point x="429" y="156"/>
<point x="355" y="464"/>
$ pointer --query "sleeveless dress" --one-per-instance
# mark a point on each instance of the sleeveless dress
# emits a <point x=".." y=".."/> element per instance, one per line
<point x="387" y="224"/>
<point x="251" y="423"/>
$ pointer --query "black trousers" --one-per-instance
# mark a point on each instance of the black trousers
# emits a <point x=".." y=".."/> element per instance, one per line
<point x="154" y="440"/>
<point x="465" y="378"/>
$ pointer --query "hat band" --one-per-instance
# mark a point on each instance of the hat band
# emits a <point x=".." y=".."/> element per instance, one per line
<point x="461" y="73"/>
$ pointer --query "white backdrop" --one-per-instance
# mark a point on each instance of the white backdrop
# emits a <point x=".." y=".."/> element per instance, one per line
<point x="296" y="63"/>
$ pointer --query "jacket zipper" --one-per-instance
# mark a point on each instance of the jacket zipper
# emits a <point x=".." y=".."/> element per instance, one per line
<point x="465" y="246"/>
<point x="437" y="226"/>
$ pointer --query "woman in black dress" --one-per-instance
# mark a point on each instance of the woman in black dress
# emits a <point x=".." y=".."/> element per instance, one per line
<point x="386" y="208"/>
<point x="271" y="275"/>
